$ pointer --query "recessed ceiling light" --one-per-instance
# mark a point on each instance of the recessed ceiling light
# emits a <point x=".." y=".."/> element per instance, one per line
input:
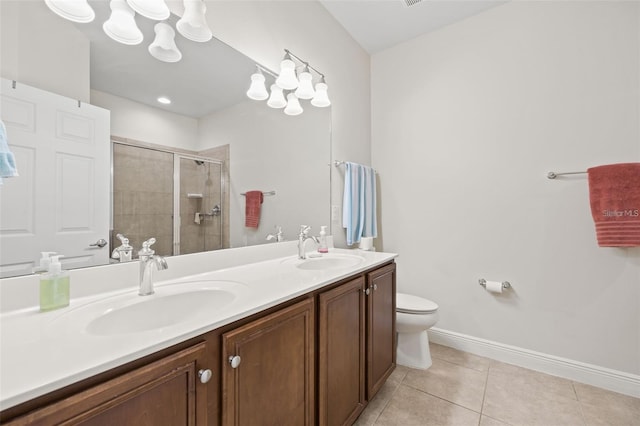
<point x="164" y="100"/>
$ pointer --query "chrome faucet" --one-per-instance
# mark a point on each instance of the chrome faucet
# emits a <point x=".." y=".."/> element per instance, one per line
<point x="302" y="239"/>
<point x="148" y="259"/>
<point x="279" y="237"/>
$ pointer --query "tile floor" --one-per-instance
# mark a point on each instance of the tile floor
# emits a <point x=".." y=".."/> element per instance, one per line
<point x="463" y="389"/>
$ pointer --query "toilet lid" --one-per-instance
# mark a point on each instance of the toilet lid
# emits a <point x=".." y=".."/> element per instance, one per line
<point x="409" y="304"/>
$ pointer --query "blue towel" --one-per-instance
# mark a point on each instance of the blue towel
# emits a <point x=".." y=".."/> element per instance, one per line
<point x="359" y="202"/>
<point x="7" y="160"/>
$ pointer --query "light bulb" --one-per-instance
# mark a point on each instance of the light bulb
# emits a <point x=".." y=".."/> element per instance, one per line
<point x="193" y="24"/>
<point x="321" y="98"/>
<point x="73" y="10"/>
<point x="276" y="100"/>
<point x="156" y="10"/>
<point x="121" y="25"/>
<point x="287" y="78"/>
<point x="257" y="91"/>
<point x="305" y="88"/>
<point x="293" y="105"/>
<point x="164" y="46"/>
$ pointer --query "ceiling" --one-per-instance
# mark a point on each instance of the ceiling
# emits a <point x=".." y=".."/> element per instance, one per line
<point x="379" y="24"/>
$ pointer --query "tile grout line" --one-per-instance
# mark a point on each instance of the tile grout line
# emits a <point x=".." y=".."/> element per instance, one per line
<point x="575" y="392"/>
<point x="386" y="404"/>
<point x="484" y="393"/>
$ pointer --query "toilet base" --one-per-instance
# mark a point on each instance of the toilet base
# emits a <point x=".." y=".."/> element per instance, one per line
<point x="413" y="350"/>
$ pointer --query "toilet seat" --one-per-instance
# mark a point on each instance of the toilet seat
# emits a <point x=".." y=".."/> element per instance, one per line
<point x="410" y="304"/>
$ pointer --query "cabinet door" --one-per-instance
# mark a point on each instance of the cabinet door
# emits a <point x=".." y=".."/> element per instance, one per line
<point x="381" y="327"/>
<point x="166" y="392"/>
<point x="341" y="341"/>
<point x="271" y="380"/>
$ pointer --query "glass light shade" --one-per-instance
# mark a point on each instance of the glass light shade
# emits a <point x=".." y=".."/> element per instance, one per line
<point x="152" y="9"/>
<point x="287" y="78"/>
<point x="293" y="105"/>
<point x="193" y="24"/>
<point x="73" y="10"/>
<point x="164" y="46"/>
<point x="257" y="91"/>
<point x="321" y="98"/>
<point x="121" y="25"/>
<point x="305" y="88"/>
<point x="276" y="100"/>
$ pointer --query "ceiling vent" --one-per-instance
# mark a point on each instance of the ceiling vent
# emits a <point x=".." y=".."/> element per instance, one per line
<point x="410" y="3"/>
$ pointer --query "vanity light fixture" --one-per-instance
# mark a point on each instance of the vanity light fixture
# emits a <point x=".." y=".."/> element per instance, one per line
<point x="257" y="91"/>
<point x="321" y="97"/>
<point x="121" y="25"/>
<point x="73" y="10"/>
<point x="305" y="88"/>
<point x="156" y="10"/>
<point x="297" y="87"/>
<point x="193" y="24"/>
<point x="276" y="99"/>
<point x="293" y="105"/>
<point x="287" y="78"/>
<point x="164" y="46"/>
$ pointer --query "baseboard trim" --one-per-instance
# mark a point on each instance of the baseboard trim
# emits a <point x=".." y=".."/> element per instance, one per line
<point x="617" y="381"/>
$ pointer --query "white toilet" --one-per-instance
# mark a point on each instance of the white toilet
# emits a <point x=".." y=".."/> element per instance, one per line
<point x="414" y="316"/>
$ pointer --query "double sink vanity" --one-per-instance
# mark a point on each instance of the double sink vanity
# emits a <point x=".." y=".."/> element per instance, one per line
<point x="250" y="336"/>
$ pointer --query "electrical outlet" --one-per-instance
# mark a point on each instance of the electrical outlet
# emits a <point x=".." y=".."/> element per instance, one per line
<point x="335" y="213"/>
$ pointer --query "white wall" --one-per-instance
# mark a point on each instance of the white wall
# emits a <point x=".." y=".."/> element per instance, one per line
<point x="31" y="42"/>
<point x="466" y="123"/>
<point x="262" y="29"/>
<point x="293" y="162"/>
<point x="133" y="120"/>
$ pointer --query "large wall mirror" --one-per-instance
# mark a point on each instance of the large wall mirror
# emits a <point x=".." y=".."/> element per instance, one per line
<point x="178" y="172"/>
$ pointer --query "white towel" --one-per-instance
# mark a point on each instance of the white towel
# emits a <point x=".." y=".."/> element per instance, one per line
<point x="8" y="166"/>
<point x="359" y="202"/>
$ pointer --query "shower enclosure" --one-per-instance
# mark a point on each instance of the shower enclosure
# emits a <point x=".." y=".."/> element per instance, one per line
<point x="174" y="197"/>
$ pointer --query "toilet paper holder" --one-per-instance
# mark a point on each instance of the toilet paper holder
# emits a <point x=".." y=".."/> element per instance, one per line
<point x="505" y="284"/>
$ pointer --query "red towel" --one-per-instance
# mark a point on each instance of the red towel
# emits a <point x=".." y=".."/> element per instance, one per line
<point x="614" y="193"/>
<point x="252" y="209"/>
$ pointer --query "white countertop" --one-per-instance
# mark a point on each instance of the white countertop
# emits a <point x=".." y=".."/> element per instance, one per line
<point x="41" y="352"/>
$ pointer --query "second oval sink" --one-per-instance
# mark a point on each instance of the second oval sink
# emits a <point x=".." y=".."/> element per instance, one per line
<point x="330" y="261"/>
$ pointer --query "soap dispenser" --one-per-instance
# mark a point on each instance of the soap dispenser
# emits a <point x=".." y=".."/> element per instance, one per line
<point x="322" y="245"/>
<point x="45" y="261"/>
<point x="54" y="287"/>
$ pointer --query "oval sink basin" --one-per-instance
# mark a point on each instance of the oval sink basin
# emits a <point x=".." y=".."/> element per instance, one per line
<point x="330" y="261"/>
<point x="171" y="305"/>
<point x="159" y="311"/>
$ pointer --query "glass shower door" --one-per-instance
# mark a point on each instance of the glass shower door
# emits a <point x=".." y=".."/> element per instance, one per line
<point x="199" y="205"/>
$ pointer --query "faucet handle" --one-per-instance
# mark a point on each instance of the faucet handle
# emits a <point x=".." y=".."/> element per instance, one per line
<point x="304" y="229"/>
<point x="146" y="247"/>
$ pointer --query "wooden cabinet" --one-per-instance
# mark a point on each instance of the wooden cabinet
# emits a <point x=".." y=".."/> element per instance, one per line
<point x="268" y="373"/>
<point x="356" y="344"/>
<point x="168" y="391"/>
<point x="271" y="380"/>
<point x="381" y="327"/>
<point x="341" y="352"/>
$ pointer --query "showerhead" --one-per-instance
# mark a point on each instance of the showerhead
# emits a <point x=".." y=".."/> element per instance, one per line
<point x="199" y="162"/>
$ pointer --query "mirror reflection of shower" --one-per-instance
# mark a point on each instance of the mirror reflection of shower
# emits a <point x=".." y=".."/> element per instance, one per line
<point x="163" y="194"/>
<point x="199" y="203"/>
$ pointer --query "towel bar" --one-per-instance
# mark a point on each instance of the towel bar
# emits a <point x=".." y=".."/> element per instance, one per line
<point x="553" y="175"/>
<point x="263" y="193"/>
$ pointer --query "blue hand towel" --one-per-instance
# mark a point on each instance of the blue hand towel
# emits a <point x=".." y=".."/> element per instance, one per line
<point x="359" y="202"/>
<point x="7" y="160"/>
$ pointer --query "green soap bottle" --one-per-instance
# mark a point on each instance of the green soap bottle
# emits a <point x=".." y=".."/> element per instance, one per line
<point x="54" y="287"/>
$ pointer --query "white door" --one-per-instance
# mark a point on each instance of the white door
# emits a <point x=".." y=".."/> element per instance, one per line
<point x="61" y="201"/>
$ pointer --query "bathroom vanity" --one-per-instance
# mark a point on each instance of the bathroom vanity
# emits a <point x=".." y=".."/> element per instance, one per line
<point x="303" y="342"/>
